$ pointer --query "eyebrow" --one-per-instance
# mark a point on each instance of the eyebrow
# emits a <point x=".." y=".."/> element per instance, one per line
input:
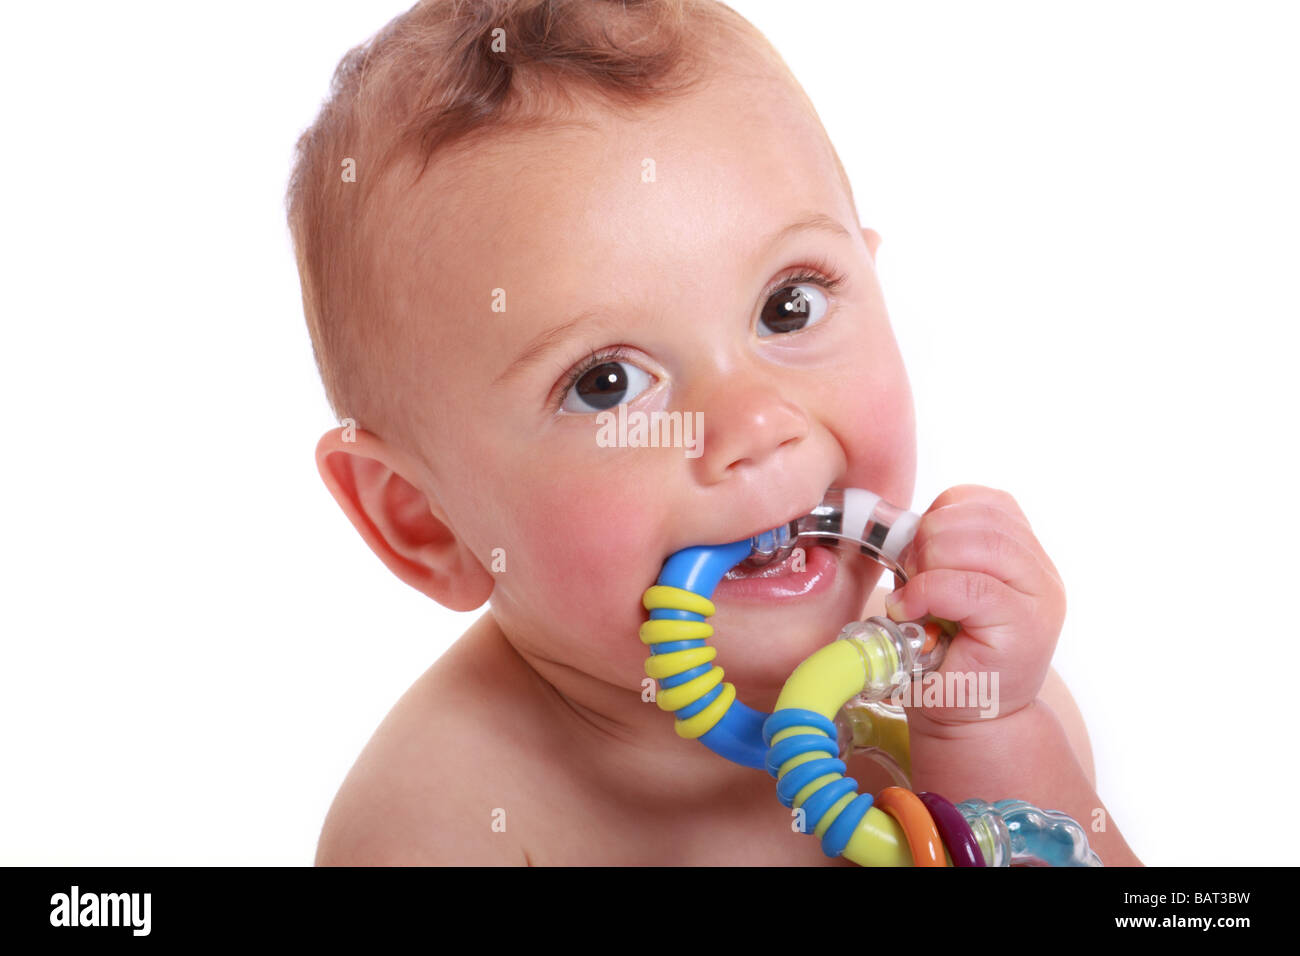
<point x="552" y="339"/>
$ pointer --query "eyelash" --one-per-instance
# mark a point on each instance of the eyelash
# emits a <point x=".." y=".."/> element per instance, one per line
<point x="817" y="272"/>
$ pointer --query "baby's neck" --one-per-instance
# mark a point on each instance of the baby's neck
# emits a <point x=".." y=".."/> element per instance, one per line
<point x="622" y="744"/>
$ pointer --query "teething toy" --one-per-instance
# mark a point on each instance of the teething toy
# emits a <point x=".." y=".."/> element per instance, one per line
<point x="800" y="744"/>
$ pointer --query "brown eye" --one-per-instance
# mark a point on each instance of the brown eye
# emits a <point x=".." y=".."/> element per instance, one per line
<point x="792" y="308"/>
<point x="605" y="386"/>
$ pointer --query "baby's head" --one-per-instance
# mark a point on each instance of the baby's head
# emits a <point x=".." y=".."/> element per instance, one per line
<point x="511" y="217"/>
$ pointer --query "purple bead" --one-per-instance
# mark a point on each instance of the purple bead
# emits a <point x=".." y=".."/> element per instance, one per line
<point x="954" y="830"/>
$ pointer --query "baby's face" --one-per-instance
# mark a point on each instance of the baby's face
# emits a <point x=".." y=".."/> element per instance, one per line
<point x="672" y="237"/>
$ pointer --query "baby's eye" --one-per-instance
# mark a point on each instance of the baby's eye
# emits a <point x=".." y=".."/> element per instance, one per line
<point x="604" y="382"/>
<point x="791" y="308"/>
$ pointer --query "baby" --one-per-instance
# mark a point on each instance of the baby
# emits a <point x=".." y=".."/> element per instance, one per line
<point x="514" y="219"/>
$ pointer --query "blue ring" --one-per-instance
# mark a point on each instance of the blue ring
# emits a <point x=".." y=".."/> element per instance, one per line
<point x="685" y="676"/>
<point x="798" y="778"/>
<point x="693" y="708"/>
<point x="816" y="806"/>
<point x="794" y="746"/>
<point x="838" y="834"/>
<point x="788" y="717"/>
<point x="674" y="614"/>
<point x="669" y="646"/>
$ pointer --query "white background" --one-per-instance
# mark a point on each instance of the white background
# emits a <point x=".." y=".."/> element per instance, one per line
<point x="1090" y="254"/>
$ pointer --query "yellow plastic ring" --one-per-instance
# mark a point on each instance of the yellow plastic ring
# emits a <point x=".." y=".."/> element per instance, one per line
<point x="660" y="666"/>
<point x="675" y="698"/>
<point x="662" y="596"/>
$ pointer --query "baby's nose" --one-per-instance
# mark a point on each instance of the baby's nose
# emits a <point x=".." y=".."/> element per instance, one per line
<point x="745" y="424"/>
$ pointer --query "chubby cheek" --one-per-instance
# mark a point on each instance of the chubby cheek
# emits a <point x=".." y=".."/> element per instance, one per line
<point x="592" y="550"/>
<point x="876" y="425"/>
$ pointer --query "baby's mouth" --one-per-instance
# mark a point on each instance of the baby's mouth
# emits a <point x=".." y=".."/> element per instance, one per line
<point x="794" y="562"/>
<point x="779" y="569"/>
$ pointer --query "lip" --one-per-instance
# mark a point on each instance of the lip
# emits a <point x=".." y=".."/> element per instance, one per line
<point x="790" y="519"/>
<point x="820" y="568"/>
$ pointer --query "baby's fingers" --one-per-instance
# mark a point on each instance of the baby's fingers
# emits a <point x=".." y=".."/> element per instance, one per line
<point x="979" y="602"/>
<point x="985" y="550"/>
<point x="974" y="504"/>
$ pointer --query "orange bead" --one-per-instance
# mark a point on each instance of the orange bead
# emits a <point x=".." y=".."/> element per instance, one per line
<point x="918" y="826"/>
<point x="931" y="636"/>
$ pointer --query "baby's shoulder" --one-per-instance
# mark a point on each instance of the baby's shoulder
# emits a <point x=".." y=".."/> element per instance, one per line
<point x="428" y="787"/>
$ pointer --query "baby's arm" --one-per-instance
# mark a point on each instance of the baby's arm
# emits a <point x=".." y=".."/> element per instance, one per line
<point x="975" y="560"/>
<point x="1058" y="697"/>
<point x="1024" y="756"/>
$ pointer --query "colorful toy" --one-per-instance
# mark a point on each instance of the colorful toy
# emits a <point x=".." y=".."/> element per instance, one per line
<point x="834" y="703"/>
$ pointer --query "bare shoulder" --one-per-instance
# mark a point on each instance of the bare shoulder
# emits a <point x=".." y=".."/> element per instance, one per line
<point x="424" y="789"/>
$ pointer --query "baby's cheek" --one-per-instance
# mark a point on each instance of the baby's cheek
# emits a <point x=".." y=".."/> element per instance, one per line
<point x="596" y="560"/>
<point x="878" y="430"/>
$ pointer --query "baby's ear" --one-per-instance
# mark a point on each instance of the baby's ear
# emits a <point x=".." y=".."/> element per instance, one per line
<point x="368" y="478"/>
<point x="873" y="241"/>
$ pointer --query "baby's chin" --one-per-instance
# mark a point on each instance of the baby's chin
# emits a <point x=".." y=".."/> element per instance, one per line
<point x="767" y="653"/>
<point x="760" y="646"/>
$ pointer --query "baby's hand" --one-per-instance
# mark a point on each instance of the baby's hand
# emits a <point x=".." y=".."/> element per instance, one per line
<point x="975" y="561"/>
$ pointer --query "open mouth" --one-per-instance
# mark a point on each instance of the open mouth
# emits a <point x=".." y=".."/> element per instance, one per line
<point x="775" y="570"/>
<point x="771" y="537"/>
<point x="809" y="570"/>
